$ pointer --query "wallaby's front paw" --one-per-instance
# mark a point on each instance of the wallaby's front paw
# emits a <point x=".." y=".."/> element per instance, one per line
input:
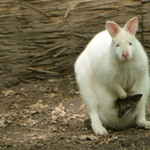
<point x="131" y="90"/>
<point x="123" y="95"/>
<point x="100" y="131"/>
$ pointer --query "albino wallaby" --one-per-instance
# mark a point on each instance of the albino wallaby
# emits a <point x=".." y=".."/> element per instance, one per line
<point x="113" y="65"/>
<point x="127" y="105"/>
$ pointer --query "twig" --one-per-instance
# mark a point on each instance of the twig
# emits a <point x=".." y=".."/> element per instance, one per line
<point x="45" y="53"/>
<point x="39" y="77"/>
<point x="67" y="12"/>
<point x="42" y="71"/>
<point x="56" y="55"/>
<point x="36" y="9"/>
<point x="79" y="35"/>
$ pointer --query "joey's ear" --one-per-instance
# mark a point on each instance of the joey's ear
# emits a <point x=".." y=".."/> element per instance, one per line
<point x="112" y="28"/>
<point x="132" y="25"/>
<point x="136" y="98"/>
<point x="118" y="101"/>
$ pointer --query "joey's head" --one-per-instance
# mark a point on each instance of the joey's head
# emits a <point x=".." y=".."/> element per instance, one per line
<point x="123" y="39"/>
<point x="127" y="105"/>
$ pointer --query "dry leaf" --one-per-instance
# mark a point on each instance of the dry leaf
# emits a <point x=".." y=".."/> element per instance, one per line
<point x="54" y="117"/>
<point x="74" y="92"/>
<point x="88" y="137"/>
<point x="59" y="110"/>
<point x="40" y="101"/>
<point x="8" y="92"/>
<point x="53" y="128"/>
<point x="38" y="106"/>
<point x="16" y="105"/>
<point x="30" y="122"/>
<point x="52" y="80"/>
<point x="22" y="89"/>
<point x="51" y="95"/>
<point x="82" y="107"/>
<point x="2" y="121"/>
<point x="55" y="89"/>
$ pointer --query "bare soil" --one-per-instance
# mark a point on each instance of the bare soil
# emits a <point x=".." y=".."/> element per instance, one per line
<point x="50" y="115"/>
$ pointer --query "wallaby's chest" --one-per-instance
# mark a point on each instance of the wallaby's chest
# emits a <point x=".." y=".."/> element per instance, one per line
<point x="125" y="75"/>
<point x="130" y="76"/>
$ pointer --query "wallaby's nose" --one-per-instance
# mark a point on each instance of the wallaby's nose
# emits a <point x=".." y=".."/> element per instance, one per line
<point x="125" y="55"/>
<point x="120" y="115"/>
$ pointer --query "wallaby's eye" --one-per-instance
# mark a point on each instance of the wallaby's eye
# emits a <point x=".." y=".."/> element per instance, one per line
<point x="128" y="107"/>
<point x="117" y="45"/>
<point x="130" y="43"/>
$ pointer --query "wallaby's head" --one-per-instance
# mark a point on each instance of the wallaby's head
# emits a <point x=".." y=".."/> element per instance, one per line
<point x="123" y="39"/>
<point x="127" y="105"/>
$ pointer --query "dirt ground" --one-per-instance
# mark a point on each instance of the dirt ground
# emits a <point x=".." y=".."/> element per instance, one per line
<point x="49" y="115"/>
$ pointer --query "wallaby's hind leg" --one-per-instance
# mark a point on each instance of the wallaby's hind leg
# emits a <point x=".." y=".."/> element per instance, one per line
<point x="141" y="120"/>
<point x="96" y="123"/>
<point x="141" y="117"/>
<point x="91" y="101"/>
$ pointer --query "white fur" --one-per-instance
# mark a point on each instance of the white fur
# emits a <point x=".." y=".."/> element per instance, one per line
<point x="103" y="75"/>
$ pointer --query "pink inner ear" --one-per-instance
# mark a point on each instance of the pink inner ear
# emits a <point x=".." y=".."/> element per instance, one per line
<point x="132" y="26"/>
<point x="112" y="28"/>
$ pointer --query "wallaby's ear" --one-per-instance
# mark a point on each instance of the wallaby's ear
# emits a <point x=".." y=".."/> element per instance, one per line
<point x="112" y="28"/>
<point x="136" y="98"/>
<point x="132" y="25"/>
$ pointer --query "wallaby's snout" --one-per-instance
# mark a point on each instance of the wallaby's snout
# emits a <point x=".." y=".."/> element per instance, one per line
<point x="125" y="55"/>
